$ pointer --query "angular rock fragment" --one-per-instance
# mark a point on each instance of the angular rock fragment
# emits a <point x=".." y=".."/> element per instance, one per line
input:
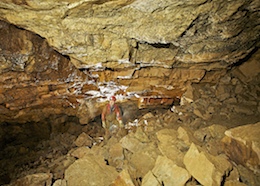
<point x="186" y="135"/>
<point x="123" y="179"/>
<point x="206" y="169"/>
<point x="83" y="140"/>
<point x="60" y="182"/>
<point x="90" y="170"/>
<point x="116" y="156"/>
<point x="168" y="145"/>
<point x="149" y="179"/>
<point x="242" y="145"/>
<point x="142" y="161"/>
<point x="132" y="144"/>
<point x="166" y="173"/>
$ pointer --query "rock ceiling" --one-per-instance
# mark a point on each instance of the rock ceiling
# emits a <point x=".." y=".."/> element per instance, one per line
<point x="130" y="32"/>
<point x="137" y="45"/>
<point x="61" y="59"/>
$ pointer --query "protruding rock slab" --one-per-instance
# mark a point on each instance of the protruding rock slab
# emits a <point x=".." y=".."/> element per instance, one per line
<point x="207" y="169"/>
<point x="242" y="145"/>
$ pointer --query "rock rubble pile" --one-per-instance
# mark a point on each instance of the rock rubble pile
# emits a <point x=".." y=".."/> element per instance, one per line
<point x="212" y="138"/>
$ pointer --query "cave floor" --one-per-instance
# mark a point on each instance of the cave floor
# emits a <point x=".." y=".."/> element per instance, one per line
<point x="26" y="161"/>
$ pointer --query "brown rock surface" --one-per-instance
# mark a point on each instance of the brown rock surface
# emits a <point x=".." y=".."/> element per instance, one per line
<point x="207" y="169"/>
<point x="167" y="173"/>
<point x="40" y="179"/>
<point x="242" y="145"/>
<point x="140" y="31"/>
<point x="90" y="170"/>
<point x="61" y="60"/>
<point x="123" y="179"/>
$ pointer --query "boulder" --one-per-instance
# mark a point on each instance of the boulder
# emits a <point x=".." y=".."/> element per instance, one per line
<point x="141" y="135"/>
<point x="206" y="169"/>
<point x="165" y="172"/>
<point x="167" y="135"/>
<point x="88" y="109"/>
<point x="242" y="145"/>
<point x="244" y="109"/>
<point x="186" y="135"/>
<point x="187" y="96"/>
<point x="172" y="152"/>
<point x="123" y="179"/>
<point x="223" y="92"/>
<point x="116" y="152"/>
<point x="83" y="140"/>
<point x="168" y="145"/>
<point x="143" y="161"/>
<point x="90" y="170"/>
<point x="150" y="179"/>
<point x="116" y="156"/>
<point x="139" y="153"/>
<point x="58" y="167"/>
<point x="60" y="182"/>
<point x="132" y="144"/>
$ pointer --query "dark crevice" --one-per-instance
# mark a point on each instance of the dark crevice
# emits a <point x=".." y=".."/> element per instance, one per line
<point x="23" y="144"/>
<point x="110" y="69"/>
<point x="242" y="61"/>
<point x="158" y="45"/>
<point x="66" y="56"/>
<point x="107" y="162"/>
<point x="161" y="45"/>
<point x="190" y="26"/>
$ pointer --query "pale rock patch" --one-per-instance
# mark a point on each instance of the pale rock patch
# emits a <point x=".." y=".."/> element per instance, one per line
<point x="131" y="143"/>
<point x="167" y="173"/>
<point x="168" y="145"/>
<point x="60" y="182"/>
<point x="90" y="170"/>
<point x="205" y="168"/>
<point x="150" y="179"/>
<point x="123" y="179"/>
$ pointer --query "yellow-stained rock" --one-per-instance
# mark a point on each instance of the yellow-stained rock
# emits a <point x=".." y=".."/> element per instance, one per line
<point x="241" y="144"/>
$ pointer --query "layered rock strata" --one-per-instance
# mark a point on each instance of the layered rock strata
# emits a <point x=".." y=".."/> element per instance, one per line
<point x="123" y="47"/>
<point x="202" y="55"/>
<point x="38" y="83"/>
<point x="123" y="33"/>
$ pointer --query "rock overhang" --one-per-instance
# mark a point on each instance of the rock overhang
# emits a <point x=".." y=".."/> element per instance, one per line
<point x="133" y="47"/>
<point x="94" y="32"/>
